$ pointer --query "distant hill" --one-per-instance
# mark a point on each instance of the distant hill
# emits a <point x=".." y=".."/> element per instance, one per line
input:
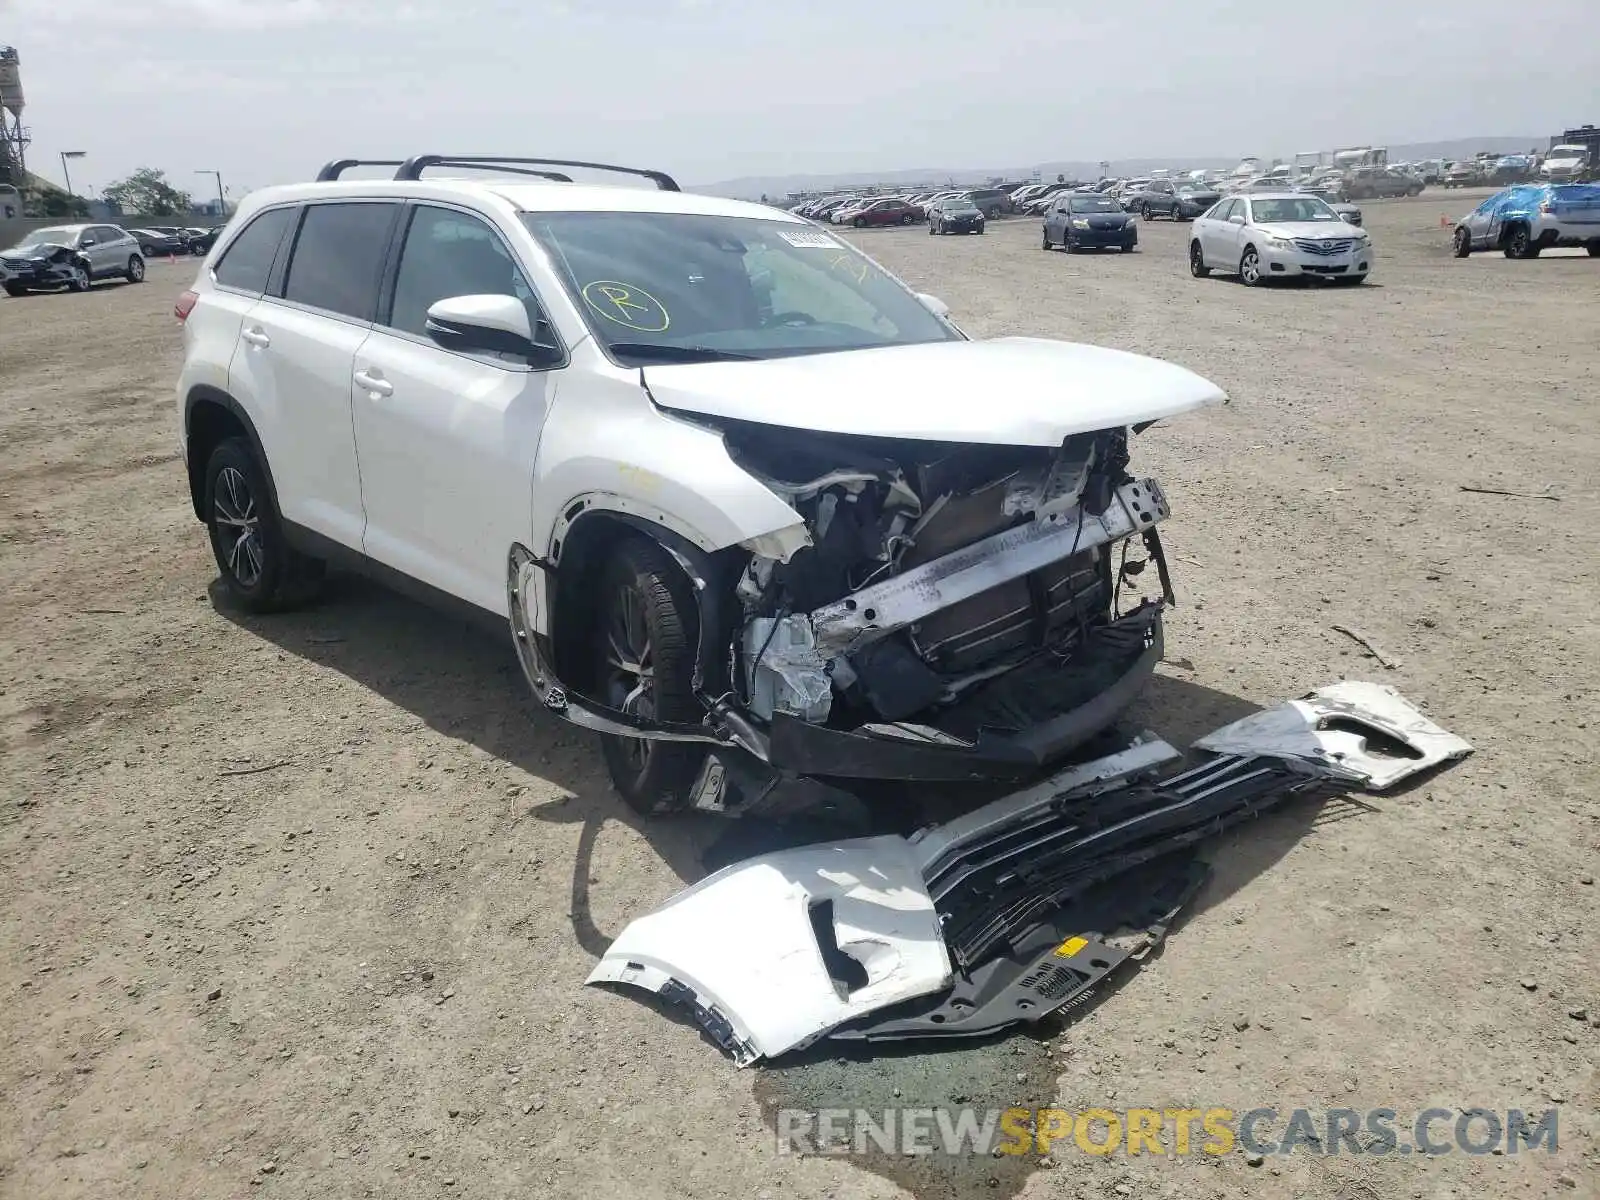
<point x="778" y="186"/>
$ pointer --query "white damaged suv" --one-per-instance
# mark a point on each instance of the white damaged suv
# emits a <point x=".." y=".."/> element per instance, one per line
<point x="753" y="510"/>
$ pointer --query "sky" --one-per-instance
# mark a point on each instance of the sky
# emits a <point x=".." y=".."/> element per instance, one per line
<point x="265" y="91"/>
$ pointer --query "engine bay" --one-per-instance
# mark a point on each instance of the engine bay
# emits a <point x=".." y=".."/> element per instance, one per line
<point x="935" y="569"/>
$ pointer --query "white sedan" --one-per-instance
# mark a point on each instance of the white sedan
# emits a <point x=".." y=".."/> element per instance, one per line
<point x="1278" y="235"/>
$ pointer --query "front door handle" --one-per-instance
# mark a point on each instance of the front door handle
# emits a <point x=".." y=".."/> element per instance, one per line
<point x="375" y="384"/>
<point x="257" y="337"/>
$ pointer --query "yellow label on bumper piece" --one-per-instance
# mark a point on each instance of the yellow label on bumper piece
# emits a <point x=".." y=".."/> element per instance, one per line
<point x="1071" y="946"/>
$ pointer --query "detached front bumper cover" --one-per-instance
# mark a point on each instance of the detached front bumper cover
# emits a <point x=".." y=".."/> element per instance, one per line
<point x="1011" y="912"/>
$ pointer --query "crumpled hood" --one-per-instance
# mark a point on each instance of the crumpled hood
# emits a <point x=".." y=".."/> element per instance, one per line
<point x="1013" y="391"/>
<point x="34" y="250"/>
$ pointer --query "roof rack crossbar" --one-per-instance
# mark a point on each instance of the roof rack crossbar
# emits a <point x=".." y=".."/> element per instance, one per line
<point x="339" y="166"/>
<point x="413" y="168"/>
<point x="438" y="161"/>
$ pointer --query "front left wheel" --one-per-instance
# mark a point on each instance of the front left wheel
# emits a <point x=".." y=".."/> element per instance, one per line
<point x="80" y="280"/>
<point x="1250" y="267"/>
<point x="1461" y="242"/>
<point x="259" y="569"/>
<point x="135" y="271"/>
<point x="643" y="656"/>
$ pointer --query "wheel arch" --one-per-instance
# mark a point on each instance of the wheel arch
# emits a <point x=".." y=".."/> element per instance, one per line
<point x="210" y="416"/>
<point x="590" y="529"/>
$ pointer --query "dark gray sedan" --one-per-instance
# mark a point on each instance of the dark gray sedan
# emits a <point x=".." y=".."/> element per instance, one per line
<point x="1081" y="219"/>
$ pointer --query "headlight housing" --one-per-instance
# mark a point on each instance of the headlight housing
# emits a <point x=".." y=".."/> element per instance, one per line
<point x="1278" y="243"/>
<point x="1080" y="223"/>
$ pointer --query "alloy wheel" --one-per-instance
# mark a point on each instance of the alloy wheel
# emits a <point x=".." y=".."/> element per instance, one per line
<point x="629" y="683"/>
<point x="1250" y="268"/>
<point x="234" y="514"/>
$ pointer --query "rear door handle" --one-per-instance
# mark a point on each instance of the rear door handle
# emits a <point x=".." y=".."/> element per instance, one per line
<point x="257" y="337"/>
<point x="375" y="384"/>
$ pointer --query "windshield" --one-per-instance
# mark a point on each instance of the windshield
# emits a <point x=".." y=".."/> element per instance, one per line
<point x="680" y="287"/>
<point x="1300" y="208"/>
<point x="1089" y="204"/>
<point x="958" y="204"/>
<point x="56" y="236"/>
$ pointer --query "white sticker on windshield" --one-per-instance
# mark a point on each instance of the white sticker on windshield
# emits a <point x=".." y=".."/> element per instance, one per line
<point x="813" y="239"/>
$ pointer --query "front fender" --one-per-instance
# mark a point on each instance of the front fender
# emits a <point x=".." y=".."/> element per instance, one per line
<point x="614" y="450"/>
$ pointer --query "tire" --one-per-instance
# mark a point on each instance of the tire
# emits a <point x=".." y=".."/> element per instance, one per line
<point x="1461" y="242"/>
<point x="1250" y="267"/>
<point x="908" y="219"/>
<point x="1594" y="249"/>
<point x="135" y="273"/>
<point x="931" y="229"/>
<point x="1518" y="243"/>
<point x="1047" y="244"/>
<point x="148" y="251"/>
<point x="1197" y="261"/>
<point x="1144" y="211"/>
<point x="643" y="592"/>
<point x="81" y="280"/>
<point x="260" y="570"/>
<point x="15" y="289"/>
<point x="860" y="222"/>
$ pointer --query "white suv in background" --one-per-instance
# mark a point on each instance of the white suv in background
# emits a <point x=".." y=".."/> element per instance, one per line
<point x="749" y="507"/>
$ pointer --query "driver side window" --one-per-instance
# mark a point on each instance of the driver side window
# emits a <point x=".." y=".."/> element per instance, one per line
<point x="449" y="253"/>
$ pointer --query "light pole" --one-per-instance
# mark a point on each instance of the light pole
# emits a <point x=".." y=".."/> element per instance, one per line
<point x="222" y="203"/>
<point x="66" y="154"/>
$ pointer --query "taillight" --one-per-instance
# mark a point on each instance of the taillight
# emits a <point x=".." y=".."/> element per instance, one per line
<point x="1545" y="208"/>
<point x="185" y="305"/>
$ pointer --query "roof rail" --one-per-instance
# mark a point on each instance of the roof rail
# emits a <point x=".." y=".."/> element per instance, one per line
<point x="413" y="168"/>
<point x="339" y="166"/>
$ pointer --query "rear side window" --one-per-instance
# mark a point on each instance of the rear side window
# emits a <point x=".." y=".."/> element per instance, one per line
<point x="338" y="257"/>
<point x="247" y="262"/>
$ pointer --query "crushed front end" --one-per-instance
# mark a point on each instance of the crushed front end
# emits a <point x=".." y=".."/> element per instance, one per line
<point x="945" y="612"/>
<point x="956" y="616"/>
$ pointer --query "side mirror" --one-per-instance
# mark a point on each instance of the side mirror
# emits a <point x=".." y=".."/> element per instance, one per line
<point x="934" y="305"/>
<point x="1236" y="219"/>
<point x="86" y="243"/>
<point x="490" y="325"/>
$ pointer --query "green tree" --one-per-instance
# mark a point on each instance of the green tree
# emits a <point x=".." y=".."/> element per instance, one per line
<point x="147" y="193"/>
<point x="53" y="202"/>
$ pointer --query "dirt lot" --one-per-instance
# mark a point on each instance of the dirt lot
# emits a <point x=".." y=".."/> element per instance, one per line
<point x="352" y="824"/>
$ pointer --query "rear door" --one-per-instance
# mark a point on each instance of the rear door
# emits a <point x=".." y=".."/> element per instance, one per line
<point x="447" y="438"/>
<point x="296" y="357"/>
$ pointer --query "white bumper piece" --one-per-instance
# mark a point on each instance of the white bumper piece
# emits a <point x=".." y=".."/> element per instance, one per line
<point x="773" y="953"/>
<point x="1367" y="728"/>
<point x="744" y="945"/>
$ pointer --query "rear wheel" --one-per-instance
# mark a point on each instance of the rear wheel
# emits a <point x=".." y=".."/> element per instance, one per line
<point x="259" y="568"/>
<point x="15" y="289"/>
<point x="644" y="665"/>
<point x="1144" y="211"/>
<point x="1519" y="243"/>
<point x="1594" y="249"/>
<point x="1461" y="242"/>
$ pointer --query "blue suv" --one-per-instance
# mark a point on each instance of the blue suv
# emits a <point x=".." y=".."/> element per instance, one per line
<point x="1530" y="217"/>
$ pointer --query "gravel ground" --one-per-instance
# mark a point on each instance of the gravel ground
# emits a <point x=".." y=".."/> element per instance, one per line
<point x="305" y="903"/>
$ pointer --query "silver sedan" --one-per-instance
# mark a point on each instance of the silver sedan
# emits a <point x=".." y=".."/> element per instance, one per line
<point x="1278" y="235"/>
